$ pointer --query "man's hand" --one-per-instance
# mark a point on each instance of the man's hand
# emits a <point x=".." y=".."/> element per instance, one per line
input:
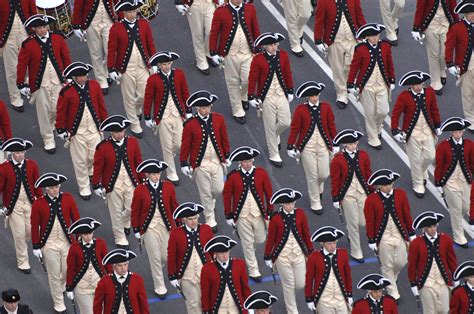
<point x="79" y="33"/>
<point x="292" y="153"/>
<point x="438" y="131"/>
<point x="440" y="190"/>
<point x="182" y="9"/>
<point x="137" y="235"/>
<point x="269" y="263"/>
<point x="335" y="150"/>
<point x="414" y="290"/>
<point x="454" y="70"/>
<point x="174" y="283"/>
<point x="100" y="192"/>
<point x="63" y="135"/>
<point x="322" y="48"/>
<point x="70" y="295"/>
<point x="227" y="163"/>
<point x="254" y="103"/>
<point x="230" y="222"/>
<point x="3" y="211"/>
<point x="392" y="86"/>
<point x="150" y="123"/>
<point x="216" y="59"/>
<point x="311" y="306"/>
<point x="114" y="76"/>
<point x="373" y="246"/>
<point x="354" y="91"/>
<point x="413" y="237"/>
<point x="187" y="171"/>
<point x="290" y="97"/>
<point x="189" y="116"/>
<point x="25" y="91"/>
<point x="336" y="205"/>
<point x="417" y="36"/>
<point x="399" y="137"/>
<point x="38" y="253"/>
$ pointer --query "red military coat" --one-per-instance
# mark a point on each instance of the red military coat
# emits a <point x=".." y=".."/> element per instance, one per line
<point x="25" y="10"/>
<point x="462" y="300"/>
<point x="366" y="306"/>
<point x="145" y="202"/>
<point x="213" y="285"/>
<point x="458" y="46"/>
<point x="278" y="234"/>
<point x="318" y="270"/>
<point x="306" y="119"/>
<point x="190" y="2"/>
<point x="343" y="172"/>
<point x="471" y="207"/>
<point x="135" y="299"/>
<point x="327" y="19"/>
<point x="411" y="111"/>
<point x="261" y="74"/>
<point x="194" y="139"/>
<point x="107" y="165"/>
<point x="85" y="10"/>
<point x="236" y="189"/>
<point x="120" y="44"/>
<point x="32" y="60"/>
<point x="426" y="10"/>
<point x="376" y="216"/>
<point x="363" y="63"/>
<point x="11" y="182"/>
<point x="77" y="264"/>
<point x="42" y="218"/>
<point x="71" y="106"/>
<point x="445" y="161"/>
<point x="157" y="93"/>
<point x="5" y="126"/>
<point x="180" y="248"/>
<point x="421" y="259"/>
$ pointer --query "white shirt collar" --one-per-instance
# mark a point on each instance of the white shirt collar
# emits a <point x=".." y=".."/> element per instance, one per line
<point x="18" y="163"/>
<point x="204" y="118"/>
<point x="288" y="213"/>
<point x="270" y="54"/>
<point x="80" y="86"/>
<point x="235" y="7"/>
<point x="326" y="252"/>
<point x="225" y="264"/>
<point x="118" y="277"/>
<point x="84" y="242"/>
<point x="131" y="23"/>
<point x="373" y="300"/>
<point x="153" y="184"/>
<point x="387" y="195"/>
<point x="245" y="172"/>
<point x="429" y="237"/>
<point x="351" y="154"/>
<point x="14" y="312"/>
<point x="457" y="142"/>
<point x="312" y="104"/>
<point x="415" y="93"/>
<point x="45" y="37"/>
<point x="470" y="286"/>
<point x="52" y="197"/>
<point x="189" y="229"/>
<point x="166" y="73"/>
<point x="119" y="143"/>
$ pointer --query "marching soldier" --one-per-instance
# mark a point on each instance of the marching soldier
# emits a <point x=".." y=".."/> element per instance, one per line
<point x="115" y="177"/>
<point x="205" y="151"/>
<point x="51" y="216"/>
<point x="297" y="14"/>
<point x="44" y="56"/>
<point x="80" y="111"/>
<point x="350" y="171"/>
<point x="247" y="207"/>
<point x="375" y="301"/>
<point x="431" y="264"/>
<point x="17" y="179"/>
<point x="129" y="49"/>
<point x="260" y="302"/>
<point x="271" y="91"/>
<point x="233" y="32"/>
<point x="311" y="133"/>
<point x="388" y="225"/>
<point x="335" y="28"/>
<point x="390" y="16"/>
<point x="5" y="127"/>
<point x="288" y="245"/>
<point x="91" y="21"/>
<point x="84" y="263"/>
<point x="453" y="174"/>
<point x="372" y="76"/>
<point x="13" y="15"/>
<point x="328" y="284"/>
<point x="152" y="218"/>
<point x="166" y="92"/>
<point x="10" y="298"/>
<point x="224" y="282"/>
<point x="120" y="291"/>
<point x="431" y="23"/>
<point x="421" y="125"/>
<point x="186" y="254"/>
<point x="462" y="298"/>
<point x="458" y="56"/>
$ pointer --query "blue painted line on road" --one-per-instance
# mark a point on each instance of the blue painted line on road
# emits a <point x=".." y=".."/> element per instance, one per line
<point x="369" y="260"/>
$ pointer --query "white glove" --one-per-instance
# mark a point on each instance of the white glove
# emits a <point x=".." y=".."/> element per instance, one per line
<point x="64" y="136"/>
<point x="399" y="137"/>
<point x="216" y="59"/>
<point x="440" y="190"/>
<point x="454" y="70"/>
<point x="438" y="131"/>
<point x="254" y="103"/>
<point x="335" y="150"/>
<point x="150" y="123"/>
<point x="3" y="211"/>
<point x="413" y="237"/>
<point x="70" y="294"/>
<point x="311" y="306"/>
<point x="269" y="263"/>
<point x="137" y="235"/>
<point x="414" y="290"/>
<point x="350" y="301"/>
<point x="416" y="36"/>
<point x="292" y="153"/>
<point x="38" y="253"/>
<point x="154" y="69"/>
<point x="181" y="9"/>
<point x="392" y="86"/>
<point x="290" y="97"/>
<point x="336" y="205"/>
<point x="187" y="171"/>
<point x="79" y="33"/>
<point x="373" y="246"/>
<point x="114" y="76"/>
<point x="322" y="48"/>
<point x="99" y="192"/>
<point x="220" y="2"/>
<point x="354" y="91"/>
<point x="227" y="163"/>
<point x="25" y="91"/>
<point x="230" y="222"/>
<point x="456" y="283"/>
<point x="189" y="116"/>
<point x="174" y="283"/>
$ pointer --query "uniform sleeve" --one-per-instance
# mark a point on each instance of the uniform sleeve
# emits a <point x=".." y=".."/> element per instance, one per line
<point x="71" y="261"/>
<point x="216" y="28"/>
<point x="418" y="20"/>
<point x="440" y="160"/>
<point x="149" y="97"/>
<point x="65" y="55"/>
<point x="309" y="278"/>
<point x="35" y="224"/>
<point x="104" y="251"/>
<point x="348" y="274"/>
<point x="74" y="211"/>
<point x="271" y="237"/>
<point x="336" y="177"/>
<point x="172" y="261"/>
<point x="23" y="62"/>
<point x="255" y="26"/>
<point x="37" y="191"/>
<point x="136" y="209"/>
<point x="390" y="68"/>
<point x="354" y="68"/>
<point x="225" y="139"/>
<point x="359" y="14"/>
<point x="435" y="112"/>
<point x="369" y="214"/>
<point x="61" y="110"/>
<point x="455" y="302"/>
<point x="295" y="128"/>
<point x="205" y="290"/>
<point x="451" y="40"/>
<point x="186" y="141"/>
<point x="397" y="111"/>
<point x="451" y="256"/>
<point x="185" y="92"/>
<point x="99" y="298"/>
<point x="413" y="258"/>
<point x="331" y="124"/>
<point x="320" y="22"/>
<point x="244" y="282"/>
<point x="306" y="235"/>
<point x="149" y="42"/>
<point x="227" y="193"/>
<point x="253" y="78"/>
<point x="5" y="122"/>
<point x="3" y="177"/>
<point x="112" y="49"/>
<point x="98" y="165"/>
<point x="77" y="14"/>
<point x="268" y="191"/>
<point x="407" y="215"/>
<point x="101" y="103"/>
<point x="138" y="160"/>
<point x="287" y="75"/>
<point x="32" y="8"/>
<point x="142" y="298"/>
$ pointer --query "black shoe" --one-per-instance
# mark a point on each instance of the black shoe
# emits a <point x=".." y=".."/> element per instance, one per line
<point x="105" y="91"/>
<point x="298" y="54"/>
<point x="443" y="81"/>
<point x="380" y="136"/>
<point x="396" y="31"/>
<point x="439" y="92"/>
<point x="318" y="212"/>
<point x="378" y="147"/>
<point x="320" y="196"/>
<point x="340" y="104"/>
<point x="125" y="247"/>
<point x="26" y="271"/>
<point x="276" y="164"/>
<point x="301" y="40"/>
<point x="358" y="260"/>
<point x="419" y="195"/>
<point x="139" y="116"/>
<point x="256" y="279"/>
<point x="18" y="109"/>
<point x="137" y="135"/>
<point x="211" y="62"/>
<point x="51" y="151"/>
<point x="279" y="146"/>
<point x="245" y="105"/>
<point x="175" y="183"/>
<point x="393" y="43"/>
<point x="161" y="296"/>
<point x="204" y="71"/>
<point x="85" y="197"/>
<point x="126" y="231"/>
<point x="424" y="182"/>
<point x="110" y="81"/>
<point x="214" y="229"/>
<point x="464" y="246"/>
<point x="240" y="120"/>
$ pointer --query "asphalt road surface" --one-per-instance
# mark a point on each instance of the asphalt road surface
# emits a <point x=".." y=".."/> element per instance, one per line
<point x="171" y="32"/>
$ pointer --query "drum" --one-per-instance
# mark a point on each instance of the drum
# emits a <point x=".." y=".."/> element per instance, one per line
<point x="149" y="9"/>
<point x="59" y="9"/>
